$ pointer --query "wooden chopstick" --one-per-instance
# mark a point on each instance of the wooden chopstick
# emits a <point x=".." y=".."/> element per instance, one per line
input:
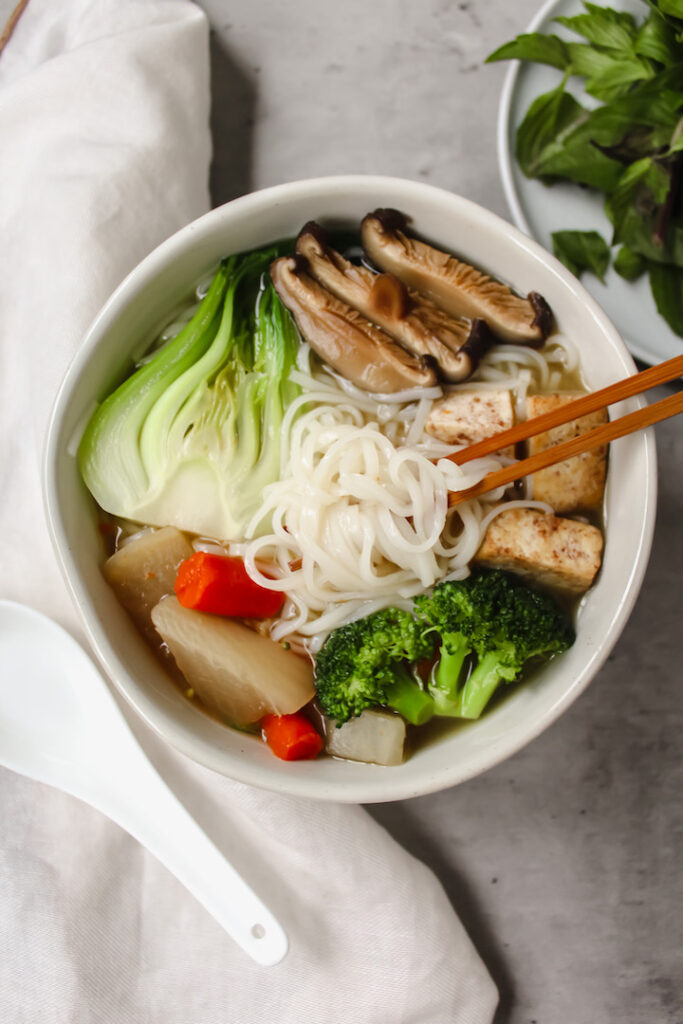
<point x="603" y="434"/>
<point x="11" y="24"/>
<point x="626" y="388"/>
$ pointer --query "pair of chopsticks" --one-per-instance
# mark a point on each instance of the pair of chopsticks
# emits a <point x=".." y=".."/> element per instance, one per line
<point x="638" y="420"/>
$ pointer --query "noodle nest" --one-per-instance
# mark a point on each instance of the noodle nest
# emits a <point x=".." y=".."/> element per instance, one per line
<point x="360" y="518"/>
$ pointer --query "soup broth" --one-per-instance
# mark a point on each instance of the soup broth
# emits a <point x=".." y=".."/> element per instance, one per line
<point x="352" y="491"/>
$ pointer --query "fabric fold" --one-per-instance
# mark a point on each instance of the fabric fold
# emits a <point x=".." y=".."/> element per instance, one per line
<point x="104" y="114"/>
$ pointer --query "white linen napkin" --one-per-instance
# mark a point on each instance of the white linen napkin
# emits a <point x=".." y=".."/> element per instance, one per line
<point x="105" y="151"/>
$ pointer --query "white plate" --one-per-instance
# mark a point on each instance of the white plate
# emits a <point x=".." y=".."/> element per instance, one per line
<point x="540" y="209"/>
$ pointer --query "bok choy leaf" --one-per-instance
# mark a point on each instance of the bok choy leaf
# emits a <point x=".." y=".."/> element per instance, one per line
<point x="193" y="436"/>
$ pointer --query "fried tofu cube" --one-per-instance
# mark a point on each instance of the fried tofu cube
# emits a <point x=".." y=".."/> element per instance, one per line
<point x="465" y="417"/>
<point x="555" y="552"/>
<point x="578" y="484"/>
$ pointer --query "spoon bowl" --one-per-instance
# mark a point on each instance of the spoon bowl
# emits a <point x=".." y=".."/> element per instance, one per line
<point x="60" y="725"/>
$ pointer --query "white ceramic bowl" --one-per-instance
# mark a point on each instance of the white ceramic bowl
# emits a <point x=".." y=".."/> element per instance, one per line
<point x="139" y="307"/>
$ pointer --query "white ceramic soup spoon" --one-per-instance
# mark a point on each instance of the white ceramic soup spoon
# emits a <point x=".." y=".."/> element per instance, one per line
<point x="59" y="724"/>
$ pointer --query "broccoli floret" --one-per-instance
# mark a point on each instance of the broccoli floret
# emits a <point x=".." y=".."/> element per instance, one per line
<point x="458" y="613"/>
<point x="498" y="618"/>
<point x="363" y="665"/>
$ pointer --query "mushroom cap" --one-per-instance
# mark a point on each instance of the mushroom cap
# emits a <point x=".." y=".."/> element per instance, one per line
<point x="413" y="321"/>
<point x="453" y="285"/>
<point x="342" y="337"/>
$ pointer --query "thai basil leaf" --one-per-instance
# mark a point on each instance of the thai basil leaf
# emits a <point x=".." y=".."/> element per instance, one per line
<point x="609" y="75"/>
<point x="582" y="250"/>
<point x="539" y="135"/>
<point x="605" y="129"/>
<point x="558" y="138"/>
<point x="616" y="79"/>
<point x="640" y="234"/>
<point x="636" y="209"/>
<point x="676" y="143"/>
<point x="673" y="7"/>
<point x="666" y="283"/>
<point x="587" y="61"/>
<point x="671" y="77"/>
<point x="551" y="143"/>
<point x="638" y="142"/>
<point x="536" y="47"/>
<point x="602" y="26"/>
<point x="654" y="104"/>
<point x="629" y="264"/>
<point x="656" y="39"/>
<point x="623" y="196"/>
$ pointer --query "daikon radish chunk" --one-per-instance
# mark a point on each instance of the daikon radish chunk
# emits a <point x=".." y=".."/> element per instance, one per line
<point x="374" y="736"/>
<point x="232" y="669"/>
<point x="143" y="571"/>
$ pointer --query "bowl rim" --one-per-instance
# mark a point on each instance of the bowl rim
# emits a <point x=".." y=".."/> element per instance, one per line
<point x="381" y="787"/>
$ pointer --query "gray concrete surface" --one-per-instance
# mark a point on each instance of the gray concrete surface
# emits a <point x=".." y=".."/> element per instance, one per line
<point x="564" y="863"/>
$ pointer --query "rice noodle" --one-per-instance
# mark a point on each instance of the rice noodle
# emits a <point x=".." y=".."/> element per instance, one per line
<point x="360" y="518"/>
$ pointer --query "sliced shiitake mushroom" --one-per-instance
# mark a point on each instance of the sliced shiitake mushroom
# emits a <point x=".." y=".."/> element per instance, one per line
<point x="413" y="321"/>
<point x="455" y="286"/>
<point x="342" y="337"/>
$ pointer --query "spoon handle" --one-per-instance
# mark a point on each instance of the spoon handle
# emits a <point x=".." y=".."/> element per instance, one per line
<point x="63" y="727"/>
<point x="145" y="807"/>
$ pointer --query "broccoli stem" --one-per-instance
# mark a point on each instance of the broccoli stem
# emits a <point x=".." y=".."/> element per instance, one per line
<point x="446" y="677"/>
<point x="408" y="698"/>
<point x="454" y="650"/>
<point x="479" y="688"/>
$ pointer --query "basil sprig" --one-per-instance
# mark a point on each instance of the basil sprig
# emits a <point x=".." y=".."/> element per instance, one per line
<point x="630" y="147"/>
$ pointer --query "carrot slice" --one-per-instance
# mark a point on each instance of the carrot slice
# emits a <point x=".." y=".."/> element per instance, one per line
<point x="220" y="585"/>
<point x="291" y="737"/>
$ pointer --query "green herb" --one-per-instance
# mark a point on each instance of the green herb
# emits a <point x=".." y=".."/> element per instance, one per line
<point x="536" y="47"/>
<point x="629" y="264"/>
<point x="630" y="147"/>
<point x="582" y="250"/>
<point x="667" y="288"/>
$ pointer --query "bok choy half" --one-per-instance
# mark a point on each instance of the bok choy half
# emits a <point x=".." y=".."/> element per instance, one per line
<point x="192" y="437"/>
